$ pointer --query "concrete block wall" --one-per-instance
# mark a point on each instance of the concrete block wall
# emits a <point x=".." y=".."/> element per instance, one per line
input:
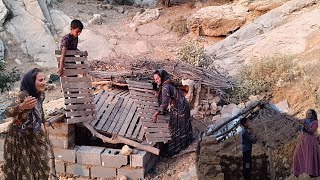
<point x="94" y="162"/>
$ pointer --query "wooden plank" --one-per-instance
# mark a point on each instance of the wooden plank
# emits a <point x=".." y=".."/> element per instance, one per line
<point x="157" y="129"/>
<point x="75" y="79"/>
<point x="117" y="118"/>
<point x="107" y="113"/>
<point x="137" y="130"/>
<point x="79" y="113"/>
<point x="113" y="114"/>
<point x="102" y="101"/>
<point x="128" y="119"/>
<point x="141" y="133"/>
<point x="75" y="66"/>
<point x="151" y="124"/>
<point x="133" y="124"/>
<point x="80" y="119"/>
<point x="123" y="116"/>
<point x="84" y="85"/>
<point x="146" y="103"/>
<point x="140" y="106"/>
<point x="158" y="139"/>
<point x="139" y="84"/>
<point x="74" y="95"/>
<point x="142" y="90"/>
<point x="70" y="52"/>
<point x="79" y="100"/>
<point x="147" y="111"/>
<point x="152" y="99"/>
<point x="97" y="96"/>
<point x="158" y="135"/>
<point x="141" y="94"/>
<point x="74" y="72"/>
<point x="123" y="92"/>
<point x="149" y="120"/>
<point x="68" y="91"/>
<point x="80" y="107"/>
<point x="105" y="103"/>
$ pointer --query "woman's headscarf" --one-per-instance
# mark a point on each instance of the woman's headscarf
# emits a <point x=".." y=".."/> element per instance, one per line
<point x="28" y="82"/>
<point x="165" y="79"/>
<point x="307" y="122"/>
<point x="28" y="85"/>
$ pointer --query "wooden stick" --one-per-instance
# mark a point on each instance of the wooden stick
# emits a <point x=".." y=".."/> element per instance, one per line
<point x="116" y="139"/>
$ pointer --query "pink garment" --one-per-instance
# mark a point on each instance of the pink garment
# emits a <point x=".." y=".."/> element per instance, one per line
<point x="306" y="158"/>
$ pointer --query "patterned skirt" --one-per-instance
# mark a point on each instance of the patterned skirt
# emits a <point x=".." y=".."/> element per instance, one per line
<point x="25" y="155"/>
<point x="180" y="130"/>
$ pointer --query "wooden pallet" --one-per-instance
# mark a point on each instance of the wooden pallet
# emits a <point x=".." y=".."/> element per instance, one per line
<point x="117" y="114"/>
<point x="143" y="96"/>
<point x="77" y="88"/>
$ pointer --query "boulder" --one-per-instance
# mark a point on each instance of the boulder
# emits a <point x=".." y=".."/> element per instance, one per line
<point x="4" y="12"/>
<point x="276" y="32"/>
<point x="261" y="5"/>
<point x="97" y="19"/>
<point x="31" y="30"/>
<point x="144" y="17"/>
<point x="217" y="20"/>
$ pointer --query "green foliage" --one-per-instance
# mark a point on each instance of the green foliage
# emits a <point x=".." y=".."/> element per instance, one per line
<point x="264" y="75"/>
<point x="192" y="52"/>
<point x="7" y="78"/>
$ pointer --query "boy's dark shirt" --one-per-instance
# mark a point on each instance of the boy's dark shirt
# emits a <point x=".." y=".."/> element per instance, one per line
<point x="69" y="41"/>
<point x="247" y="139"/>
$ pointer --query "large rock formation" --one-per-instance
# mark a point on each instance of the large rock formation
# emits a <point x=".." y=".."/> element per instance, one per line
<point x="217" y="20"/>
<point x="284" y="30"/>
<point x="31" y="28"/>
<point x="3" y="12"/>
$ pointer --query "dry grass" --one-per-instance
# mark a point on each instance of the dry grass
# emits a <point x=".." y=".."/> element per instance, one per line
<point x="264" y="75"/>
<point x="180" y="26"/>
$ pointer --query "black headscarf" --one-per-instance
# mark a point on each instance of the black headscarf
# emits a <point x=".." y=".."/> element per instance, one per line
<point x="28" y="82"/>
<point x="165" y="79"/>
<point x="28" y="85"/>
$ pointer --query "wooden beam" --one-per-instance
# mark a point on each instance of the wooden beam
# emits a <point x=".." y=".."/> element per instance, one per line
<point x="116" y="139"/>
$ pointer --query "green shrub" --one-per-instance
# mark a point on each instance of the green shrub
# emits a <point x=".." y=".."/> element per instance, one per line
<point x="7" y="78"/>
<point x="264" y="75"/>
<point x="192" y="52"/>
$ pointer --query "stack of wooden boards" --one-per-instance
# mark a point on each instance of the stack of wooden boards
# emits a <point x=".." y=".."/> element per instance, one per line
<point x="145" y="99"/>
<point x="77" y="88"/>
<point x="117" y="114"/>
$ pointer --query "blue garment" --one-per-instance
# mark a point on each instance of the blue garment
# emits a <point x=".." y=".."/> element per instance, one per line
<point x="247" y="139"/>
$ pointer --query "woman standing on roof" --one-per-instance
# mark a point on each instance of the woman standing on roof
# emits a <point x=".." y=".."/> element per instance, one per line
<point x="172" y="101"/>
<point x="306" y="158"/>
<point x="25" y="147"/>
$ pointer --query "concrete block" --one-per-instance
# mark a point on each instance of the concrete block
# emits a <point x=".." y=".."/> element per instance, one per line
<point x="140" y="159"/>
<point x="131" y="173"/>
<point x="113" y="158"/>
<point x="62" y="141"/>
<point x="103" y="172"/>
<point x="66" y="155"/>
<point x="78" y="169"/>
<point x="60" y="167"/>
<point x="61" y="128"/>
<point x="89" y="155"/>
<point x="2" y="143"/>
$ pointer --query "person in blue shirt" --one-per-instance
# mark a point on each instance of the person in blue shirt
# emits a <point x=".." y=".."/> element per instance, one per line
<point x="247" y="139"/>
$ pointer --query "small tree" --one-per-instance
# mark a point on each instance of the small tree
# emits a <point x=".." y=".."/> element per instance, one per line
<point x="7" y="77"/>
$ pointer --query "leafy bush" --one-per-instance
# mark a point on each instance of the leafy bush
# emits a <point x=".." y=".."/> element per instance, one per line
<point x="264" y="75"/>
<point x="7" y="78"/>
<point x="192" y="52"/>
